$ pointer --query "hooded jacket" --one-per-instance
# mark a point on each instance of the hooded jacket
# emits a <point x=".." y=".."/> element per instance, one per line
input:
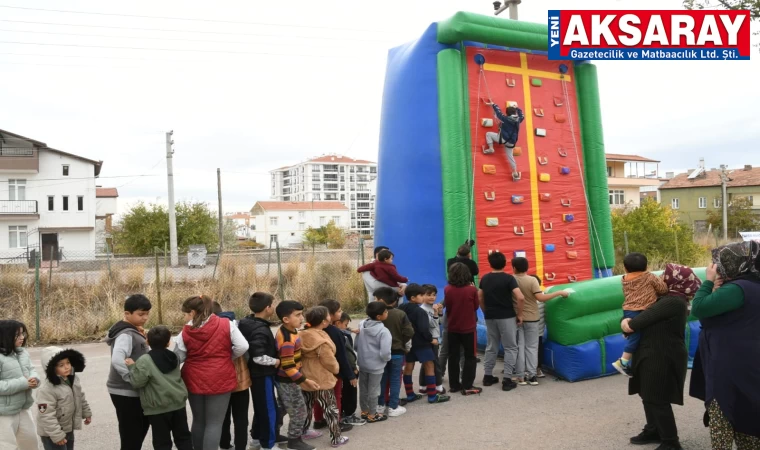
<point x="318" y="358"/>
<point x="126" y="341"/>
<point x="159" y="380"/>
<point x="61" y="404"/>
<point x="262" y="346"/>
<point x="421" y="322"/>
<point x="401" y="330"/>
<point x="373" y="345"/>
<point x="509" y="130"/>
<point x="15" y="371"/>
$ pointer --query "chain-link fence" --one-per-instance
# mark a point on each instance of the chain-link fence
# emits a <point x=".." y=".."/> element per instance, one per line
<point x="70" y="296"/>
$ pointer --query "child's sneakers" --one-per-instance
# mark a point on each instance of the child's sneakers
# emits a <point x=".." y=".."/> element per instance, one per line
<point x="623" y="368"/>
<point x="440" y="398"/>
<point x="413" y="397"/>
<point x="396" y="412"/>
<point x="533" y="381"/>
<point x="487" y="150"/>
<point x="353" y="420"/>
<point x="508" y="385"/>
<point x="520" y="381"/>
<point x="343" y="440"/>
<point x="254" y="444"/>
<point x="381" y="409"/>
<point x="309" y="434"/>
<point x="473" y="390"/>
<point x="489" y="380"/>
<point x="540" y="374"/>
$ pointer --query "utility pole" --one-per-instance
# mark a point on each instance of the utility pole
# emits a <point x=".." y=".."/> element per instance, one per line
<point x="219" y="193"/>
<point x="511" y="5"/>
<point x="724" y="186"/>
<point x="174" y="259"/>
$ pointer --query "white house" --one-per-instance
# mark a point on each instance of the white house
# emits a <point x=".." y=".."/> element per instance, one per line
<point x="288" y="220"/>
<point x="106" y="200"/>
<point x="331" y="178"/>
<point x="47" y="200"/>
<point x="243" y="224"/>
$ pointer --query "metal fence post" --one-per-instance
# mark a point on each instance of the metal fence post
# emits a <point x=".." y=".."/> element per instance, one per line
<point x="361" y="250"/>
<point x="280" y="280"/>
<point x="625" y="238"/>
<point x="165" y="262"/>
<point x="158" y="289"/>
<point x="37" y="294"/>
<point x="108" y="258"/>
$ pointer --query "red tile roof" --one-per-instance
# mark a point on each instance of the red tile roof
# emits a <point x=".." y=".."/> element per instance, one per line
<point x="337" y="159"/>
<point x="737" y="178"/>
<point x="631" y="158"/>
<point x="238" y="216"/>
<point x="106" y="192"/>
<point x="301" y="206"/>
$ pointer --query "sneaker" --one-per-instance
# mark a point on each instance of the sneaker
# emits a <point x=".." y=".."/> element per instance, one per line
<point x="507" y="385"/>
<point x="396" y="412"/>
<point x="310" y="434"/>
<point x="440" y="398"/>
<point x="298" y="444"/>
<point x="320" y="424"/>
<point x="377" y="418"/>
<point x="402" y="401"/>
<point x="354" y="421"/>
<point x="540" y="374"/>
<point x="490" y="380"/>
<point x="624" y="369"/>
<point x="440" y="389"/>
<point x="646" y="437"/>
<point x="253" y="444"/>
<point x="521" y="381"/>
<point x="472" y="390"/>
<point x="487" y="151"/>
<point x="343" y="440"/>
<point x="533" y="381"/>
<point x="413" y="398"/>
<point x="380" y="409"/>
<point x="455" y="389"/>
<point x="345" y="427"/>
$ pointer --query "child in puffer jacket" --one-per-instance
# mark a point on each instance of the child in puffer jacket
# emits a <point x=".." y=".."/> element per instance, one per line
<point x="61" y="404"/>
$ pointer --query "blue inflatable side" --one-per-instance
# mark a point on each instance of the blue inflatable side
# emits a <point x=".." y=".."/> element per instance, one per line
<point x="574" y="362"/>
<point x="410" y="106"/>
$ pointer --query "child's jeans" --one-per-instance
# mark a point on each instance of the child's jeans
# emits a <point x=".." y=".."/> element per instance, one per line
<point x="392" y="376"/>
<point x="48" y="443"/>
<point x="632" y="344"/>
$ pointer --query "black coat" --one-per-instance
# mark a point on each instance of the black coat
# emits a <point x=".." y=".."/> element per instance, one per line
<point x="659" y="365"/>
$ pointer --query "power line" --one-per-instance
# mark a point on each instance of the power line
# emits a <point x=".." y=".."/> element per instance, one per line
<point x="85" y="178"/>
<point x="191" y="19"/>
<point x="336" y="38"/>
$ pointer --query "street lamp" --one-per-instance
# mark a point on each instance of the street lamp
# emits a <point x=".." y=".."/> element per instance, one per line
<point x="508" y="4"/>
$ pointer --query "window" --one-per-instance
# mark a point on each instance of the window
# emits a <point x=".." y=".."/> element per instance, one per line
<point x="292" y="234"/>
<point x="317" y="197"/>
<point x="290" y="217"/>
<point x="65" y="202"/>
<point x="336" y="220"/>
<point x="80" y="203"/>
<point x="17" y="236"/>
<point x="362" y="205"/>
<point x="717" y="202"/>
<point x="17" y="190"/>
<point x="674" y="203"/>
<point x="331" y="186"/>
<point x="301" y="226"/>
<point x="51" y="203"/>
<point x="617" y="197"/>
<point x="273" y="221"/>
<point x="702" y="202"/>
<point x="301" y="215"/>
<point x="609" y="171"/>
<point x="65" y="170"/>
<point x="322" y="221"/>
<point x="316" y="187"/>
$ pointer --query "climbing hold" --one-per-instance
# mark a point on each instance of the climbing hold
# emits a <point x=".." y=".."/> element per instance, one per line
<point x="518" y="199"/>
<point x="519" y="230"/>
<point x="566" y="202"/>
<point x="490" y="196"/>
<point x="568" y="217"/>
<point x="545" y="197"/>
<point x="510" y="82"/>
<point x="572" y="255"/>
<point x="569" y="240"/>
<point x="572" y="278"/>
<point x="536" y="82"/>
<point x="539" y="112"/>
<point x="550" y="276"/>
<point x="549" y="248"/>
<point x="560" y="118"/>
<point x="541" y="132"/>
<point x="517" y="176"/>
<point x="562" y="152"/>
<point x="564" y="170"/>
<point x="517" y="151"/>
<point x="489" y="169"/>
<point x="520" y="254"/>
<point x="480" y="59"/>
<point x="492" y="221"/>
<point x="543" y="160"/>
<point x="547" y="226"/>
<point x="563" y="69"/>
<point x="558" y="101"/>
<point x="486" y="122"/>
<point x="545" y="177"/>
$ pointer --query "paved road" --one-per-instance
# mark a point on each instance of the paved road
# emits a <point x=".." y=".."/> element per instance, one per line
<point x="596" y="414"/>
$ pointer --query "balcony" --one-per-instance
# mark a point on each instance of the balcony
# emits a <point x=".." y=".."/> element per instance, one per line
<point x="22" y="159"/>
<point x="19" y="209"/>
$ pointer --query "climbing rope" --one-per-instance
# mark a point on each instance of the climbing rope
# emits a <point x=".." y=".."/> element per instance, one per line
<point x="481" y="78"/>
<point x="580" y="168"/>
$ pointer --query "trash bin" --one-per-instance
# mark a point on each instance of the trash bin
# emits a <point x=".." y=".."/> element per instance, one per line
<point x="196" y="256"/>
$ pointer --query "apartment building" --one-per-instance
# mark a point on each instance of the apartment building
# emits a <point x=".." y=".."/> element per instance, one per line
<point x="287" y="221"/>
<point x="331" y="178"/>
<point x="628" y="176"/>
<point x="47" y="201"/>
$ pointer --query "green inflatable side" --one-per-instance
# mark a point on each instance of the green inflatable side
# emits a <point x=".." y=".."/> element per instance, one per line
<point x="464" y="26"/>
<point x="592" y="311"/>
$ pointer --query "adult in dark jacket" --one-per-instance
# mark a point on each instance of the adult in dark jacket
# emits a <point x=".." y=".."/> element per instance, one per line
<point x="464" y="256"/>
<point x="659" y="366"/>
<point x="729" y="346"/>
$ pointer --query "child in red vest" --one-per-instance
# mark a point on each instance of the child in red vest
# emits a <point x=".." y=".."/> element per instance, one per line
<point x="384" y="271"/>
<point x="207" y="345"/>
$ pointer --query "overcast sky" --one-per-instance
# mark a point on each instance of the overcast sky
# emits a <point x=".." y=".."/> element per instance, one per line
<point x="252" y="86"/>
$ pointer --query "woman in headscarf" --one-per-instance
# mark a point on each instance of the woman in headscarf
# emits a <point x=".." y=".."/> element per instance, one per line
<point x="659" y="366"/>
<point x="729" y="347"/>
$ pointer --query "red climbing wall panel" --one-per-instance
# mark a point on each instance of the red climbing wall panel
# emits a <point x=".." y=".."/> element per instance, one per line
<point x="509" y="76"/>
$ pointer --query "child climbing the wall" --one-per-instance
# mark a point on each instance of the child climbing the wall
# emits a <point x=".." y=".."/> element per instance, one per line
<point x="640" y="290"/>
<point x="509" y="131"/>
